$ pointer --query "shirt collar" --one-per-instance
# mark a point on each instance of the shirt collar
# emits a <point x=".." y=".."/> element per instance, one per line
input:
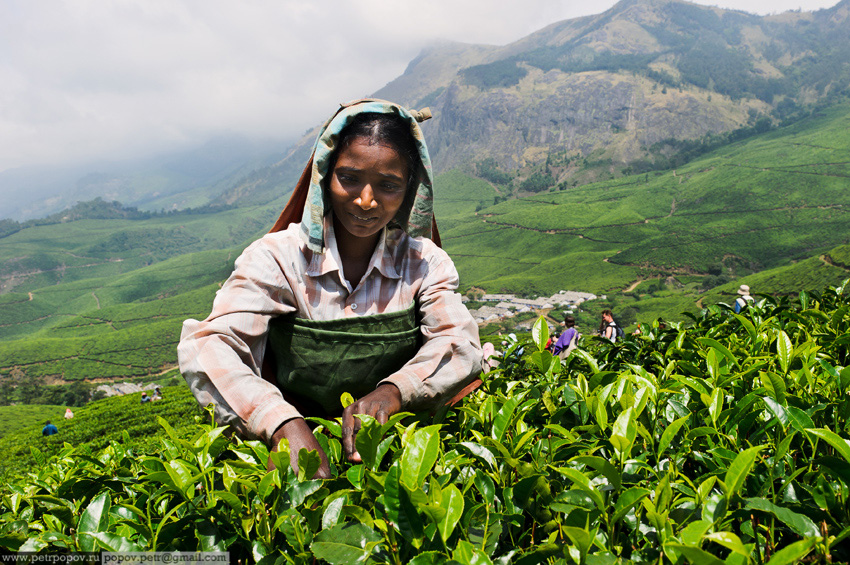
<point x="383" y="258"/>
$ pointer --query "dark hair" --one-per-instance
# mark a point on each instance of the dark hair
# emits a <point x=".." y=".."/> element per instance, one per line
<point x="602" y="324"/>
<point x="569" y="321"/>
<point x="382" y="129"/>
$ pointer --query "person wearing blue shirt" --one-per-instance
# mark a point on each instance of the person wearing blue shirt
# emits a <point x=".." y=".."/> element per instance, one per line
<point x="49" y="429"/>
<point x="743" y="299"/>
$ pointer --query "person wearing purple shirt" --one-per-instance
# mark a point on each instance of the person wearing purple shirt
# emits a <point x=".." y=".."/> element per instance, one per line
<point x="566" y="343"/>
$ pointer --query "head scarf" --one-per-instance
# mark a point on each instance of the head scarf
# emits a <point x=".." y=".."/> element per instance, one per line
<point x="309" y="204"/>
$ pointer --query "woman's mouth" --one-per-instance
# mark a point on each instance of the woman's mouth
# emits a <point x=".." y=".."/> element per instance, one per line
<point x="362" y="218"/>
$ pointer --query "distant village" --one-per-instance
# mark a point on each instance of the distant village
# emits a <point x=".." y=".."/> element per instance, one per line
<point x="501" y="306"/>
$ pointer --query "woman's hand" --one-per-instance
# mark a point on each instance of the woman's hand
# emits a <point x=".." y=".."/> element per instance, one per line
<point x="300" y="436"/>
<point x="381" y="403"/>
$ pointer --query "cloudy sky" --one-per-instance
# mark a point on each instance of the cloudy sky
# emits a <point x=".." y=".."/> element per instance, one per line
<point x="93" y="79"/>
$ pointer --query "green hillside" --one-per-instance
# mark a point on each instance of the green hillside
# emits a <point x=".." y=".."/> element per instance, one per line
<point x="753" y="205"/>
<point x="118" y="418"/>
<point x="29" y="416"/>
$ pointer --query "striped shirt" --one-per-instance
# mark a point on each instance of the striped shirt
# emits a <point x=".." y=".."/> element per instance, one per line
<point x="221" y="357"/>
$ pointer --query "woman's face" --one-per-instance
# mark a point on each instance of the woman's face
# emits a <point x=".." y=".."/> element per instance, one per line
<point x="367" y="188"/>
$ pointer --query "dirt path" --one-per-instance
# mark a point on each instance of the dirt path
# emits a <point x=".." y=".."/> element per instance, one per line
<point x="30" y="295"/>
<point x="828" y="260"/>
<point x="634" y="285"/>
<point x="96" y="300"/>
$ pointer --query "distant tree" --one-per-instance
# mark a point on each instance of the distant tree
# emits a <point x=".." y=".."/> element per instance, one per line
<point x="77" y="394"/>
<point x="6" y="392"/>
<point x="626" y="317"/>
<point x="29" y="390"/>
<point x="537" y="182"/>
<point x="489" y="170"/>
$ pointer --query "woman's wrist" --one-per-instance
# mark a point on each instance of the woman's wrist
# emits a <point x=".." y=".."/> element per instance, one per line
<point x="285" y="430"/>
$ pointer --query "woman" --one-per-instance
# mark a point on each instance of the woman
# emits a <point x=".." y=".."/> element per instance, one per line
<point x="348" y="292"/>
<point x="608" y="327"/>
<point x="567" y="341"/>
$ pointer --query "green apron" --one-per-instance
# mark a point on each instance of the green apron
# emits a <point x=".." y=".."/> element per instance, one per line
<point x="317" y="361"/>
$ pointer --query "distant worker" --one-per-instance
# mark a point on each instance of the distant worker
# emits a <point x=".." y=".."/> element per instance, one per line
<point x="743" y="299"/>
<point x="145" y="397"/>
<point x="609" y="328"/>
<point x="49" y="429"/>
<point x="68" y="414"/>
<point x="567" y="342"/>
<point x="157" y="394"/>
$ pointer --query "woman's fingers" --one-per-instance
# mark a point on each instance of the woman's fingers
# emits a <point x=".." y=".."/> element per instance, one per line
<point x="300" y="436"/>
<point x="380" y="404"/>
<point x="350" y="427"/>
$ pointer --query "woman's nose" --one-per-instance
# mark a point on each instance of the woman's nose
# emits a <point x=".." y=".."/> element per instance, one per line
<point x="366" y="200"/>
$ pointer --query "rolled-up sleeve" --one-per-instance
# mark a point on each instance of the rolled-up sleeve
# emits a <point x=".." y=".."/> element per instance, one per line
<point x="451" y="356"/>
<point x="221" y="357"/>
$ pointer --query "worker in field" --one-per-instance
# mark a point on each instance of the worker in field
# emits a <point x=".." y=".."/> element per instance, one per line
<point x="349" y="293"/>
<point x="567" y="340"/>
<point x="49" y="429"/>
<point x="743" y="299"/>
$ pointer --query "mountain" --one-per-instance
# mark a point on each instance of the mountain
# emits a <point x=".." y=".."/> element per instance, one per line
<point x="171" y="181"/>
<point x="589" y="98"/>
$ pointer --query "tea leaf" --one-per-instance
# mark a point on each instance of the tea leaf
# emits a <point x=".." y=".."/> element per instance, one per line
<point x="452" y="503"/>
<point x="345" y="543"/>
<point x="419" y="456"/>
<point x="740" y="468"/>
<point x="793" y="553"/>
<point x="628" y="500"/>
<point x="775" y="385"/>
<point x="540" y="333"/>
<point x="670" y="433"/>
<point x="693" y="554"/>
<point x="841" y="445"/>
<point x="784" y="347"/>
<point x="623" y="433"/>
<point x="730" y="541"/>
<point x="800" y="524"/>
<point x="95" y="517"/>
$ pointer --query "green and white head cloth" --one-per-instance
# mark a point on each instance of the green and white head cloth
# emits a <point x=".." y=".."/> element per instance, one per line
<point x="416" y="220"/>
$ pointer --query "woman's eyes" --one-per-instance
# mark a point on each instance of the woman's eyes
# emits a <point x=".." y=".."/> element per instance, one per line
<point x="349" y="179"/>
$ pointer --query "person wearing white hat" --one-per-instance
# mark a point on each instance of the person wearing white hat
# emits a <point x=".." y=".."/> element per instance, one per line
<point x="741" y="301"/>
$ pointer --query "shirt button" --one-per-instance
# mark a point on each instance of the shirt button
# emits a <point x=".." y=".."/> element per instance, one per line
<point x="354" y="306"/>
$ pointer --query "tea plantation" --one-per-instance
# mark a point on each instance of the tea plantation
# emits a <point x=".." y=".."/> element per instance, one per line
<point x="723" y="440"/>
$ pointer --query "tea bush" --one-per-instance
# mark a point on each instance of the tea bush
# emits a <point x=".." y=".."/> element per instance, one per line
<point x="720" y="441"/>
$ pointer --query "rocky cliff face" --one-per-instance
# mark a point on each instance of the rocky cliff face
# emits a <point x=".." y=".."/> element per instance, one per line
<point x="605" y="88"/>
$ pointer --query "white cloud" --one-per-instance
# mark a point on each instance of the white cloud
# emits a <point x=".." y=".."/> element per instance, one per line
<point x="85" y="79"/>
